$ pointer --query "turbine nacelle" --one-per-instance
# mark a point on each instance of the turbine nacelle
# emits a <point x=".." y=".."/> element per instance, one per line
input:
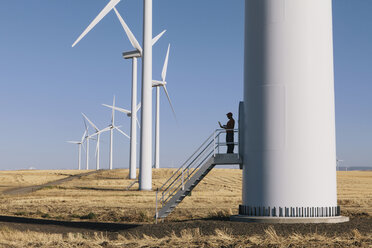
<point x="156" y="83"/>
<point x="132" y="54"/>
<point x="125" y="111"/>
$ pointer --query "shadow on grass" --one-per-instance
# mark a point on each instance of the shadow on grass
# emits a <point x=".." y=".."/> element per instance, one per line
<point x="99" y="189"/>
<point x="94" y="226"/>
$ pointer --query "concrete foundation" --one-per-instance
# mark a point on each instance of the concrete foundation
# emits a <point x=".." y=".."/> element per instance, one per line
<point x="289" y="220"/>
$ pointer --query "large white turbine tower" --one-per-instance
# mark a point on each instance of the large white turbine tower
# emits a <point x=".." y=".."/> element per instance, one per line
<point x="79" y="143"/>
<point x="134" y="55"/>
<point x="145" y="178"/>
<point x="157" y="85"/>
<point x="98" y="134"/>
<point x="289" y="149"/>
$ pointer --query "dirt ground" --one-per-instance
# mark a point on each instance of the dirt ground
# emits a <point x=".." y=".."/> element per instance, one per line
<point x="207" y="227"/>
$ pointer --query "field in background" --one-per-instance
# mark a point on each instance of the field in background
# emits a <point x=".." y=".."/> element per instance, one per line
<point x="15" y="179"/>
<point x="103" y="197"/>
<point x="355" y="192"/>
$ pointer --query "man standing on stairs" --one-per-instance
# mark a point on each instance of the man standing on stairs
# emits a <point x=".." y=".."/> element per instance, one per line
<point x="229" y="132"/>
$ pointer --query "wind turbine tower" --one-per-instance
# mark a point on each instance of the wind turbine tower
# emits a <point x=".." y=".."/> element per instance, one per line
<point x="87" y="138"/>
<point x="145" y="177"/>
<point x="79" y="143"/>
<point x="157" y="85"/>
<point x="289" y="150"/>
<point x="98" y="134"/>
<point x="134" y="55"/>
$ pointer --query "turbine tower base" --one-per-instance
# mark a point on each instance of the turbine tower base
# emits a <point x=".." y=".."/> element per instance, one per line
<point x="289" y="215"/>
<point x="289" y="220"/>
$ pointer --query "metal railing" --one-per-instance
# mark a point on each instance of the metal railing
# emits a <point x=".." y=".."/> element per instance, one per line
<point x="210" y="147"/>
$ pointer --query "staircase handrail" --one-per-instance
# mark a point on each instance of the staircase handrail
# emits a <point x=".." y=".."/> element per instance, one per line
<point x="171" y="185"/>
<point x="186" y="162"/>
<point x="187" y="178"/>
<point x="190" y="166"/>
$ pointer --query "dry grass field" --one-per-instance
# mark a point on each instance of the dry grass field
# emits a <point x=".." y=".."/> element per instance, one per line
<point x="104" y="194"/>
<point x="102" y="197"/>
<point x="14" y="179"/>
<point x="188" y="238"/>
<point x="355" y="192"/>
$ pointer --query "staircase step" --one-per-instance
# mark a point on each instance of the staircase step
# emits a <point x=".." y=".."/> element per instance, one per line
<point x="175" y="198"/>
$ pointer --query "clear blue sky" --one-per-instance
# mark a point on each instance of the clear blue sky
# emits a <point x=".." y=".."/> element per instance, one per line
<point x="46" y="84"/>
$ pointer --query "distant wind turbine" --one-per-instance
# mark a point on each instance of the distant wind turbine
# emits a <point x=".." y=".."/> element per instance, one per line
<point x="87" y="138"/>
<point x="146" y="120"/>
<point x="98" y="134"/>
<point x="159" y="84"/>
<point x="338" y="161"/>
<point x="79" y="143"/>
<point x="134" y="55"/>
<point x="133" y="139"/>
<point x="111" y="128"/>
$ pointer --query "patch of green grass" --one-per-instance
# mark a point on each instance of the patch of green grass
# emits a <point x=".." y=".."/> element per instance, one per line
<point x="144" y="216"/>
<point x="89" y="216"/>
<point x="53" y="187"/>
<point x="59" y="217"/>
<point x="223" y="214"/>
<point x="76" y="216"/>
<point x="49" y="187"/>
<point x="45" y="216"/>
<point x="20" y="213"/>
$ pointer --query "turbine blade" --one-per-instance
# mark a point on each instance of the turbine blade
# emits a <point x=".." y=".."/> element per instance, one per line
<point x="139" y="126"/>
<point x="86" y="126"/>
<point x="96" y="20"/>
<point x="129" y="33"/>
<point x="169" y="100"/>
<point x="84" y="134"/>
<point x="113" y="112"/>
<point x="118" y="109"/>
<point x="139" y="106"/>
<point x="73" y="142"/>
<point x="91" y="136"/>
<point x="165" y="67"/>
<point x="126" y="135"/>
<point x="104" y="130"/>
<point x="90" y="122"/>
<point x="155" y="39"/>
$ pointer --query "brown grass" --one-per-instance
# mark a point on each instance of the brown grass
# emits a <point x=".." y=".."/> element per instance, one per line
<point x="187" y="238"/>
<point x="355" y="192"/>
<point x="105" y="193"/>
<point x="12" y="179"/>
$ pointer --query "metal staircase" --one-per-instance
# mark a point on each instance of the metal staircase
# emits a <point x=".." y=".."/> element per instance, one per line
<point x="185" y="179"/>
